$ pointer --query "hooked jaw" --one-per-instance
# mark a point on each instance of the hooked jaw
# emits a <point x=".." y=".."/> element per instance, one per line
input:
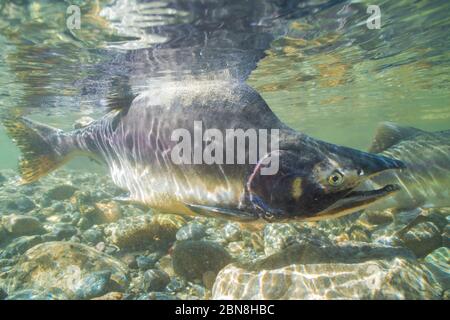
<point x="357" y="198"/>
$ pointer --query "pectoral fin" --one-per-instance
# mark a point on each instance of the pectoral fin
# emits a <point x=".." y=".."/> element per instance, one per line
<point x="218" y="212"/>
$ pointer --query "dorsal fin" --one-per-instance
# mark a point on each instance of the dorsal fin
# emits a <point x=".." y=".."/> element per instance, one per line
<point x="121" y="95"/>
<point x="389" y="134"/>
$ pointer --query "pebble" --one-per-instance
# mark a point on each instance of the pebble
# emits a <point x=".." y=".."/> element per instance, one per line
<point x="166" y="264"/>
<point x="93" y="235"/>
<point x="155" y="280"/>
<point x="191" y="231"/>
<point x="232" y="232"/>
<point x="107" y="212"/>
<point x="93" y="285"/>
<point x="149" y="261"/>
<point x="63" y="231"/>
<point x="20" y="225"/>
<point x="61" y="192"/>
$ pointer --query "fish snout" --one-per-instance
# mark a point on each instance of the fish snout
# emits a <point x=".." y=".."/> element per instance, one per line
<point x="373" y="164"/>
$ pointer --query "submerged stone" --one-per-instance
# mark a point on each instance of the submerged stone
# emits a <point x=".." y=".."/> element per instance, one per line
<point x="75" y="269"/>
<point x="93" y="285"/>
<point x="191" y="231"/>
<point x="149" y="261"/>
<point x="20" y="225"/>
<point x="138" y="231"/>
<point x="232" y="232"/>
<point x="422" y="238"/>
<point x="61" y="192"/>
<point x="107" y="212"/>
<point x="63" y="231"/>
<point x="155" y="280"/>
<point x="191" y="259"/>
<point x="311" y="252"/>
<point x="396" y="279"/>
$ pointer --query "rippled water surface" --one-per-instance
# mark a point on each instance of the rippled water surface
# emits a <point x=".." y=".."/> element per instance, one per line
<point x="320" y="69"/>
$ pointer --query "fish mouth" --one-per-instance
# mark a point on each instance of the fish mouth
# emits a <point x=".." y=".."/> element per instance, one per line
<point x="356" y="200"/>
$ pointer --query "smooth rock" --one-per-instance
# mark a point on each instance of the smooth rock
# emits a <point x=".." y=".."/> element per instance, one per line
<point x="93" y="285"/>
<point x="139" y="231"/>
<point x="155" y="280"/>
<point x="191" y="258"/>
<point x="68" y="267"/>
<point x="397" y="279"/>
<point x="191" y="231"/>
<point x="422" y="238"/>
<point x="20" y="225"/>
<point x="61" y="192"/>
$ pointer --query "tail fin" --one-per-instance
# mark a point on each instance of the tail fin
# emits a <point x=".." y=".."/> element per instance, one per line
<point x="43" y="148"/>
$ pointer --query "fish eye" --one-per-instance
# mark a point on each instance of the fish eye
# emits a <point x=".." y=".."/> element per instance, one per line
<point x="336" y="179"/>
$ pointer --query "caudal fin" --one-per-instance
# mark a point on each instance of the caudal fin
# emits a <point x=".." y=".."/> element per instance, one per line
<point x="43" y="148"/>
